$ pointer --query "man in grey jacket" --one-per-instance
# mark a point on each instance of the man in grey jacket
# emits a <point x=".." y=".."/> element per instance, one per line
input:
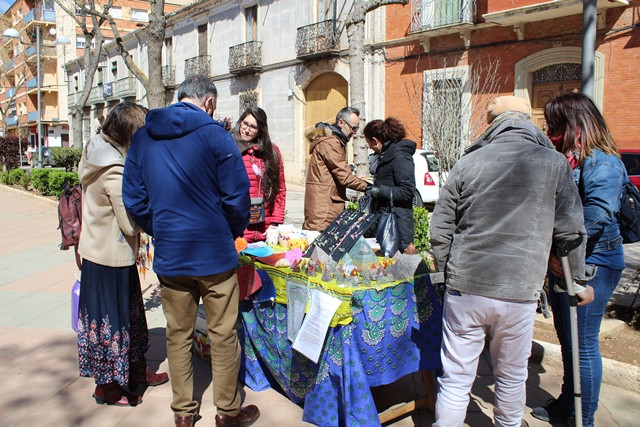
<point x="504" y="203"/>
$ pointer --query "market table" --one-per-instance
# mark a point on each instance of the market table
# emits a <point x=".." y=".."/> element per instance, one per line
<point x="379" y="334"/>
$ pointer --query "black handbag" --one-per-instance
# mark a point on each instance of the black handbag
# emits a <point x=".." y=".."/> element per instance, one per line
<point x="387" y="232"/>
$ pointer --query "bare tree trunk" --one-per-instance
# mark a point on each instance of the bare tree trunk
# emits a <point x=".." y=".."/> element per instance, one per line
<point x="90" y="56"/>
<point x="355" y="35"/>
<point x="157" y="24"/>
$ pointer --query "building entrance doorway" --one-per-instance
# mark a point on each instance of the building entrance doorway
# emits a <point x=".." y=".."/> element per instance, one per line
<point x="325" y="95"/>
<point x="549" y="82"/>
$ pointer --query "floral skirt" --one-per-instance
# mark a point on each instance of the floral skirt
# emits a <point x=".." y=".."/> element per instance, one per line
<point x="112" y="327"/>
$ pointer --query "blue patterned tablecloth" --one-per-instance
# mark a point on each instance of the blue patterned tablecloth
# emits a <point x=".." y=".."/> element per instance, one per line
<point x="395" y="331"/>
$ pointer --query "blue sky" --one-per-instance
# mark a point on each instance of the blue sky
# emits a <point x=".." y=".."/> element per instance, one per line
<point x="4" y="5"/>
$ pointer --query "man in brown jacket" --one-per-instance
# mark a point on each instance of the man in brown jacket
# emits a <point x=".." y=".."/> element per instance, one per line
<point x="328" y="174"/>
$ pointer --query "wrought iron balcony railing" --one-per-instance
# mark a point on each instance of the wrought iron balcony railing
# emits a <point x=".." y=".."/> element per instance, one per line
<point x="319" y="39"/>
<point x="169" y="75"/>
<point x="433" y="14"/>
<point x="245" y="57"/>
<point x="197" y="65"/>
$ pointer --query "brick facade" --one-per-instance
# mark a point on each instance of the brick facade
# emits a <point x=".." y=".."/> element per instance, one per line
<point x="618" y="40"/>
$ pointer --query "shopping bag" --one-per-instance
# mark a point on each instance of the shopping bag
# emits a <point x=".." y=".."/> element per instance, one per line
<point x="75" y="301"/>
<point x="365" y="204"/>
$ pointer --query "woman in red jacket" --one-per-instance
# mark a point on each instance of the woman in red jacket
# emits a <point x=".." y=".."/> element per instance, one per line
<point x="265" y="169"/>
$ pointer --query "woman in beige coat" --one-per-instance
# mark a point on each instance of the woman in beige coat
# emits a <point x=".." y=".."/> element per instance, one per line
<point x="112" y="328"/>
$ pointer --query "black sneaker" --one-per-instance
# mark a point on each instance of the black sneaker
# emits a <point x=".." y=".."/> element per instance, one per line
<point x="554" y="412"/>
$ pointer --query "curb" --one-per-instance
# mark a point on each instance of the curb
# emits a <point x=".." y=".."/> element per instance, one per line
<point x="31" y="194"/>
<point x="618" y="374"/>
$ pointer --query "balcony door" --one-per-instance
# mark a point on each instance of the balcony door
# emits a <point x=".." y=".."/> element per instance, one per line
<point x="325" y="95"/>
<point x="326" y="10"/>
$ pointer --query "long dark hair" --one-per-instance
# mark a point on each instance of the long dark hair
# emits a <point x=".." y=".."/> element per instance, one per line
<point x="568" y="112"/>
<point x="389" y="130"/>
<point x="266" y="151"/>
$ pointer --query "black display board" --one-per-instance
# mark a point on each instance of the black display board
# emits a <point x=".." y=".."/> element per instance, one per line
<point x="343" y="232"/>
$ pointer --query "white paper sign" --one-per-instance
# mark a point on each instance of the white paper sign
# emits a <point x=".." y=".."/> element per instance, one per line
<point x="297" y="298"/>
<point x="313" y="332"/>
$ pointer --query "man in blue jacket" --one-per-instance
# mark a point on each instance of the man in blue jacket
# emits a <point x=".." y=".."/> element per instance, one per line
<point x="504" y="203"/>
<point x="185" y="184"/>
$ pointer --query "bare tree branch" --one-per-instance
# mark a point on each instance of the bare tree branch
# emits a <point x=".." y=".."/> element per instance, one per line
<point x="355" y="34"/>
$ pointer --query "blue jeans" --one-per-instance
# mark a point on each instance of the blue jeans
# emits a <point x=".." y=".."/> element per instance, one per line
<point x="589" y="320"/>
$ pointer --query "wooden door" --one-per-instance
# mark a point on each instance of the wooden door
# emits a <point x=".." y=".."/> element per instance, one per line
<point x="545" y="92"/>
<point x="325" y="96"/>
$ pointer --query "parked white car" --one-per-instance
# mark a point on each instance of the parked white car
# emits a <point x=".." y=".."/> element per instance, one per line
<point x="427" y="173"/>
<point x="428" y="178"/>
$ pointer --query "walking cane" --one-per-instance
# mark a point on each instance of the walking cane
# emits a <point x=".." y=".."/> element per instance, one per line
<point x="564" y="247"/>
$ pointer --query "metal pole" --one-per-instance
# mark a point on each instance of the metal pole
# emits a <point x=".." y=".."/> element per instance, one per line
<point x="39" y="106"/>
<point x="589" y="28"/>
<point x="563" y="252"/>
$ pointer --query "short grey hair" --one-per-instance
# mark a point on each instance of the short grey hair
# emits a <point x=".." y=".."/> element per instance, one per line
<point x="346" y="113"/>
<point x="197" y="87"/>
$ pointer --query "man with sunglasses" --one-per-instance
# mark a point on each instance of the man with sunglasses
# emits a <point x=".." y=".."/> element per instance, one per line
<point x="328" y="173"/>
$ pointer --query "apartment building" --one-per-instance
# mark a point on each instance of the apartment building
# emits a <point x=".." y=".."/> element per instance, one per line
<point x="47" y="34"/>
<point x="470" y="51"/>
<point x="288" y="57"/>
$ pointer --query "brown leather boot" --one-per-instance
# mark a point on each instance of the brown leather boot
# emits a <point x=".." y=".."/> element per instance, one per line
<point x="147" y="377"/>
<point x="184" y="420"/>
<point x="247" y="416"/>
<point x="113" y="394"/>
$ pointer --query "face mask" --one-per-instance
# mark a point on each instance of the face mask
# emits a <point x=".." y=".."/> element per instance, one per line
<point x="556" y="140"/>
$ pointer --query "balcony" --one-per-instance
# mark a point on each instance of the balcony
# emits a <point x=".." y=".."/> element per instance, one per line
<point x="45" y="52"/>
<point x="245" y="58"/>
<point x="41" y="15"/>
<point x="95" y="96"/>
<point x="319" y="39"/>
<point x="12" y="121"/>
<point x="125" y="88"/>
<point x="10" y="93"/>
<point x="444" y="15"/>
<point x="8" y="65"/>
<point x="122" y="88"/>
<point x="169" y="75"/>
<point x="32" y="84"/>
<point x="73" y="98"/>
<point x="33" y="116"/>
<point x="197" y="65"/>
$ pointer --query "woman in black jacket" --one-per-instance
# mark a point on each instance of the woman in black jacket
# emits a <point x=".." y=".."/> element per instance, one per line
<point x="392" y="167"/>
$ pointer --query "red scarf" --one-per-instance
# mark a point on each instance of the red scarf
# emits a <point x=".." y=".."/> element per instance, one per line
<point x="573" y="155"/>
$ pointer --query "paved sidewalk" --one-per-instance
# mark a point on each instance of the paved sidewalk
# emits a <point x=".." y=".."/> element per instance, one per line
<point x="38" y="359"/>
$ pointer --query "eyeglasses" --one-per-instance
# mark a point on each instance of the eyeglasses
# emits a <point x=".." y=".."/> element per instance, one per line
<point x="249" y="125"/>
<point x="353" y="128"/>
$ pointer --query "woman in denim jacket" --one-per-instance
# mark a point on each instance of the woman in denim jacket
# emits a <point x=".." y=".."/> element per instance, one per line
<point x="578" y="130"/>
